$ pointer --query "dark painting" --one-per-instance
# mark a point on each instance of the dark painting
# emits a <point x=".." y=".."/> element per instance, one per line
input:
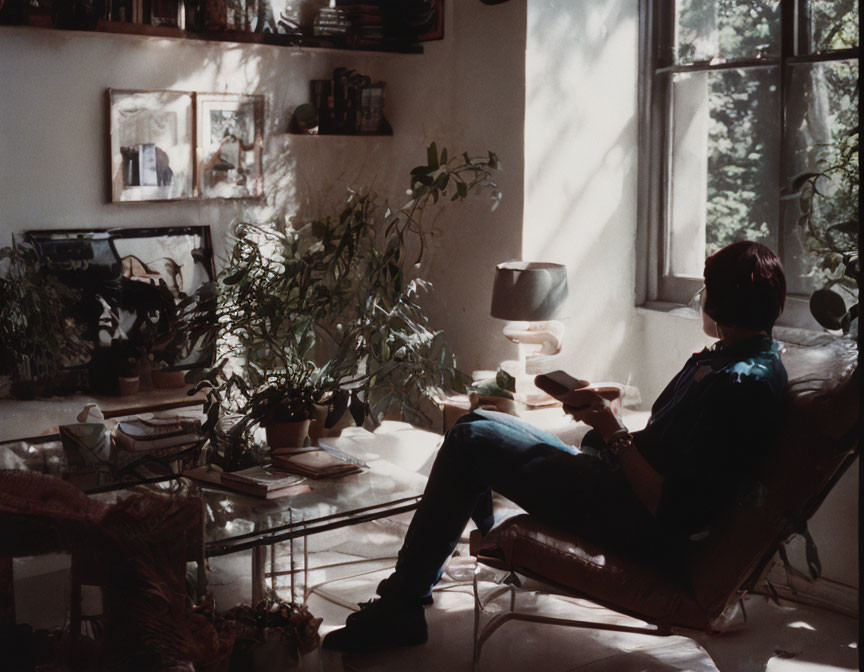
<point x="137" y="288"/>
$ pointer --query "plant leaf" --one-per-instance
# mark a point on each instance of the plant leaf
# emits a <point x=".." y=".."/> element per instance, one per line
<point x="432" y="157"/>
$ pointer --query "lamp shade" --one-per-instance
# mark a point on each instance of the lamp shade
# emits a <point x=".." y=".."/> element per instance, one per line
<point x="528" y="291"/>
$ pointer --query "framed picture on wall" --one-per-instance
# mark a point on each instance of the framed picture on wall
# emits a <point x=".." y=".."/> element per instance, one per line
<point x="433" y="29"/>
<point x="152" y="145"/>
<point x="230" y="143"/>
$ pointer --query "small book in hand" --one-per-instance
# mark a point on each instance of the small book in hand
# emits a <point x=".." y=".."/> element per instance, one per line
<point x="561" y="385"/>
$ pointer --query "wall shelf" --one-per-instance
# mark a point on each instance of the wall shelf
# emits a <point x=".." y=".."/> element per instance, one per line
<point x="43" y="23"/>
<point x="341" y="135"/>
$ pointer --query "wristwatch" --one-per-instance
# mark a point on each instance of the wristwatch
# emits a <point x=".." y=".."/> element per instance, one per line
<point x="619" y="442"/>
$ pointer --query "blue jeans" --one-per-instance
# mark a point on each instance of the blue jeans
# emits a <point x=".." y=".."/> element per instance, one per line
<point x="560" y="485"/>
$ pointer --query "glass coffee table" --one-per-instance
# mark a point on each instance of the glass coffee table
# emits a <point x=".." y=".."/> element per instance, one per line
<point x="236" y="522"/>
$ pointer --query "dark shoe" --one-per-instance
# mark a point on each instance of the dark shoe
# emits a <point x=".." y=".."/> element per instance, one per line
<point x="380" y="624"/>
<point x="388" y="588"/>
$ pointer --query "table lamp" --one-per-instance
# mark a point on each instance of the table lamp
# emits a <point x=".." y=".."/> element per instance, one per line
<point x="530" y="295"/>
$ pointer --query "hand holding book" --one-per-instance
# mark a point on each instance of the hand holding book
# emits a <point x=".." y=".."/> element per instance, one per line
<point x="583" y="402"/>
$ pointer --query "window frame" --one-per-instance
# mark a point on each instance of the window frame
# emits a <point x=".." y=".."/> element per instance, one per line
<point x="656" y="286"/>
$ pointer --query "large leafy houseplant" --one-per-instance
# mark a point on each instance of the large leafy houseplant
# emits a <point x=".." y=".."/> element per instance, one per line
<point x="37" y="338"/>
<point x="327" y="313"/>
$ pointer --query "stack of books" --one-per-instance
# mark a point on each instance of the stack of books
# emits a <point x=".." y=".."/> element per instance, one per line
<point x="255" y="481"/>
<point x="262" y="482"/>
<point x="330" y="22"/>
<point x="147" y="435"/>
<point x="315" y="462"/>
<point x="366" y="23"/>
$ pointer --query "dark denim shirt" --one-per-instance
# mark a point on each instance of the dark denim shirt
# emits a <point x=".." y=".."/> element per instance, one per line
<point x="711" y="432"/>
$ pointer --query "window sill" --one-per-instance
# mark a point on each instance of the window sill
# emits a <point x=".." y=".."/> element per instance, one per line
<point x="673" y="309"/>
<point x="783" y="331"/>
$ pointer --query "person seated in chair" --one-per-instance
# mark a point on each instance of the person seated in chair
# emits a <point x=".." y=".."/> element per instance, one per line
<point x="651" y="493"/>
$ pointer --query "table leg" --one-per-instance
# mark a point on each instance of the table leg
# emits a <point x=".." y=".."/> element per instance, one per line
<point x="7" y="591"/>
<point x="273" y="568"/>
<point x="291" y="554"/>
<point x="202" y="577"/>
<point x="259" y="564"/>
<point x="75" y="598"/>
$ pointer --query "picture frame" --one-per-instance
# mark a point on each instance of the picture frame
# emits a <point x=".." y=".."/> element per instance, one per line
<point x="129" y="282"/>
<point x="152" y="145"/>
<point x="435" y="30"/>
<point x="230" y="142"/>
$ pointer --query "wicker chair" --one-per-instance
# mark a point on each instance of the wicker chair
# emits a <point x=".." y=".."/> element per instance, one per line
<point x="135" y="550"/>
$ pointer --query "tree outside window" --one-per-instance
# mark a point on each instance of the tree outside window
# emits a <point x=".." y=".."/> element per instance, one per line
<point x="750" y="100"/>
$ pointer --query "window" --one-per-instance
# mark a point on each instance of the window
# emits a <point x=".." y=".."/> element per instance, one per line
<point x="739" y="97"/>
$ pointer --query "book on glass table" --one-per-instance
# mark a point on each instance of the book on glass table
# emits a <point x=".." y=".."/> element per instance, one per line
<point x="315" y="462"/>
<point x="149" y="434"/>
<point x="255" y="481"/>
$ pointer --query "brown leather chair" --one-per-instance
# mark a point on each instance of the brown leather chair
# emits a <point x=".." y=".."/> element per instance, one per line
<point x="817" y="443"/>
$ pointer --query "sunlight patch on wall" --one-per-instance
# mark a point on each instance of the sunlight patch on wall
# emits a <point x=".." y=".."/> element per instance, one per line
<point x="579" y="138"/>
<point x="580" y="172"/>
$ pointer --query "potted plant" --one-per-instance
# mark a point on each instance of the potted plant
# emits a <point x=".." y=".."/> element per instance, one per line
<point x="127" y="368"/>
<point x="829" y="221"/>
<point x="329" y="307"/>
<point x="38" y="339"/>
<point x="282" y="403"/>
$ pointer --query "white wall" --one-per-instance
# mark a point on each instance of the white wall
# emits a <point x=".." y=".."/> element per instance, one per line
<point x="580" y="174"/>
<point x="53" y="135"/>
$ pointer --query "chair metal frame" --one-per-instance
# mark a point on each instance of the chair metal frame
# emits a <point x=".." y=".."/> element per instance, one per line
<point x="482" y="634"/>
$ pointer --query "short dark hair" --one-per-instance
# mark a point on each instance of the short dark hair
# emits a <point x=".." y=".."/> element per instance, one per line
<point x="745" y="286"/>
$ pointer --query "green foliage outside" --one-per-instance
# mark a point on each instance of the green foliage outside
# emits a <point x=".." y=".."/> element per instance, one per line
<point x="744" y="141"/>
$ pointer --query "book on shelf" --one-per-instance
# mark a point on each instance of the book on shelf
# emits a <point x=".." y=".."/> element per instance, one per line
<point x="290" y="485"/>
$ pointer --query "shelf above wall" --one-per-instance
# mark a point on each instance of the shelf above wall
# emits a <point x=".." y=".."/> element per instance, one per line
<point x="380" y="134"/>
<point x="228" y="36"/>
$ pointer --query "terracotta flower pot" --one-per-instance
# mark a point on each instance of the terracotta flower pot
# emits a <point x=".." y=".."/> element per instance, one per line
<point x="168" y="380"/>
<point x="282" y="435"/>
<point x="128" y="385"/>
